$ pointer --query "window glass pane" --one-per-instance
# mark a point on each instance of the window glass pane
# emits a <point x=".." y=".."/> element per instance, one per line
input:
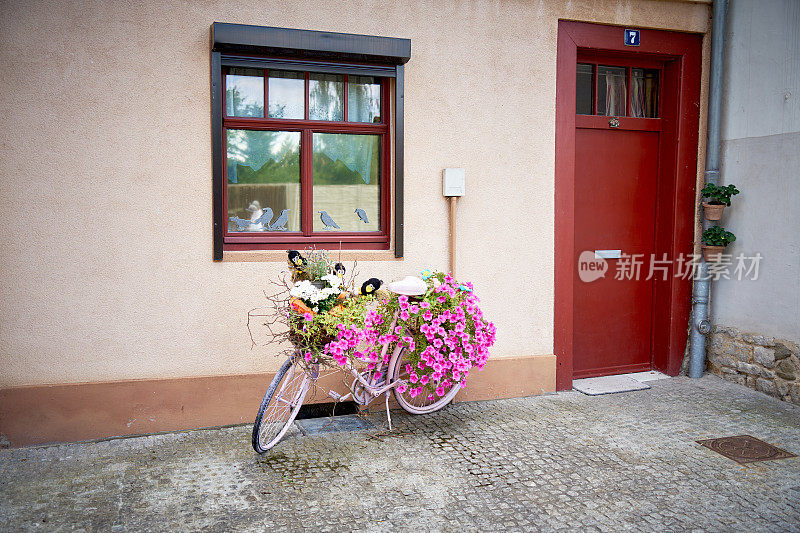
<point x="263" y="180"/>
<point x="326" y="97"/>
<point x="363" y="99"/>
<point x="286" y="94"/>
<point x="244" y="92"/>
<point x="644" y="93"/>
<point x="611" y="91"/>
<point x="583" y="90"/>
<point x="346" y="182"/>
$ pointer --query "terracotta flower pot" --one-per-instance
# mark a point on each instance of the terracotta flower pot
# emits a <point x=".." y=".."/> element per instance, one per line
<point x="713" y="211"/>
<point x="712" y="253"/>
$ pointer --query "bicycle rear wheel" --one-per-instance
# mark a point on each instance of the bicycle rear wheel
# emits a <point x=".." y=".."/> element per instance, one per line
<point x="422" y="403"/>
<point x="280" y="405"/>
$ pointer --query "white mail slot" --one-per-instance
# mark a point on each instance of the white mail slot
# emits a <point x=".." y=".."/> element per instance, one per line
<point x="607" y="254"/>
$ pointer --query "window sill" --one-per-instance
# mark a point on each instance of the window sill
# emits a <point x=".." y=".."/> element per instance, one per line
<point x="279" y="256"/>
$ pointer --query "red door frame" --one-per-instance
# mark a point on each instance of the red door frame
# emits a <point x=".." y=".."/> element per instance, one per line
<point x="681" y="54"/>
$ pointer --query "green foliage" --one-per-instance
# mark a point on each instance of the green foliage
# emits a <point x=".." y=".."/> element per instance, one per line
<point x="319" y="263"/>
<point x="274" y="157"/>
<point x="719" y="195"/>
<point x="287" y="170"/>
<point x="314" y="334"/>
<point x="717" y="236"/>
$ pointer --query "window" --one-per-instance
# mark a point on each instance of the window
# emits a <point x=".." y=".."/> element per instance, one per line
<point x="304" y="148"/>
<point x="617" y="91"/>
<point x="316" y="165"/>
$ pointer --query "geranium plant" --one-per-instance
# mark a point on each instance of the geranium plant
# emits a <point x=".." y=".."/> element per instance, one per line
<point x="719" y="194"/>
<point x="717" y="236"/>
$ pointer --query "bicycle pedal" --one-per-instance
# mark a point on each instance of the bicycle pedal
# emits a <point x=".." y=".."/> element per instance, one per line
<point x="335" y="395"/>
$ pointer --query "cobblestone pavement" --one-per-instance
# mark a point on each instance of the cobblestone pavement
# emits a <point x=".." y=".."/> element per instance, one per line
<point x="557" y="462"/>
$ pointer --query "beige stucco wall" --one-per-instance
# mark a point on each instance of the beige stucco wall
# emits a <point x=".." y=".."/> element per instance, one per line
<point x="106" y="174"/>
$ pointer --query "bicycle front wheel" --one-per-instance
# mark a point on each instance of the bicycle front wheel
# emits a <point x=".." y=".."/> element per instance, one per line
<point x="426" y="402"/>
<point x="280" y="405"/>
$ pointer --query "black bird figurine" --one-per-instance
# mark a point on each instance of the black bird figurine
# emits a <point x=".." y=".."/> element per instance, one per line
<point x="370" y="286"/>
<point x="297" y="261"/>
<point x="339" y="270"/>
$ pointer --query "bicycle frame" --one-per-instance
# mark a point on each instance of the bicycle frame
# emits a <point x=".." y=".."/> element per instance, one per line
<point x="371" y="387"/>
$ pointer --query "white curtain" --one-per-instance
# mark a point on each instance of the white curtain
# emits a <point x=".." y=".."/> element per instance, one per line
<point x="615" y="93"/>
<point x="637" y="96"/>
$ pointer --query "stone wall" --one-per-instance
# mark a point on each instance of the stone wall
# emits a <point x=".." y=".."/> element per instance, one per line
<point x="764" y="363"/>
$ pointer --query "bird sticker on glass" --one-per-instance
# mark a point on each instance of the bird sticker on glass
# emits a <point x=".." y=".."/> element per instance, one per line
<point x="280" y="222"/>
<point x="328" y="220"/>
<point x="362" y="215"/>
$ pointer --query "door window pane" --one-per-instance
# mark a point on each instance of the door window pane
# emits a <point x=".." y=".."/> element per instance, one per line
<point x="346" y="175"/>
<point x="263" y="180"/>
<point x="244" y="92"/>
<point x="286" y="94"/>
<point x="611" y="91"/>
<point x="363" y="99"/>
<point x="644" y="93"/>
<point x="326" y="97"/>
<point x="584" y="90"/>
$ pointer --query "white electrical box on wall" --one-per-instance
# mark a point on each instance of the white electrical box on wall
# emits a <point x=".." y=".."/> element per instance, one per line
<point x="454" y="182"/>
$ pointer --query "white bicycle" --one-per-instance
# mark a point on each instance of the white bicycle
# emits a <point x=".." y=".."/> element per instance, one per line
<point x="289" y="387"/>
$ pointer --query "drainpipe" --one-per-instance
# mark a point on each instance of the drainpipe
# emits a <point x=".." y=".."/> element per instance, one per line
<point x="701" y="325"/>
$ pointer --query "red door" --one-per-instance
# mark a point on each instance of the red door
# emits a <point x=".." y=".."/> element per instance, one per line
<point x="627" y="120"/>
<point x="616" y="182"/>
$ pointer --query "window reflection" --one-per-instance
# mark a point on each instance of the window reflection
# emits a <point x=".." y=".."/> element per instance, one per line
<point x="263" y="170"/>
<point x="326" y="97"/>
<point x="244" y="92"/>
<point x="584" y="93"/>
<point x="611" y="91"/>
<point x="286" y="94"/>
<point x="346" y="176"/>
<point x="363" y="99"/>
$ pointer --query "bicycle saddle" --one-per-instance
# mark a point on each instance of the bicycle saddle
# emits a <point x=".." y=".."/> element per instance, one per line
<point x="410" y="286"/>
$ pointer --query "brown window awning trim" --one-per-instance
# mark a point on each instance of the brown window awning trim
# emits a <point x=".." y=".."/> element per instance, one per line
<point x="267" y="40"/>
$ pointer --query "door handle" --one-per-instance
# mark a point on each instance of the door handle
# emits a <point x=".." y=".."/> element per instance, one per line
<point x="607" y="254"/>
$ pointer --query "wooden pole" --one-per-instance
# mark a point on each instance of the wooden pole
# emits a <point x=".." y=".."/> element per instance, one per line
<point x="453" y="234"/>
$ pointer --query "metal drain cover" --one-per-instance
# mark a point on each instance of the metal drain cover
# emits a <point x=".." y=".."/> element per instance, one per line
<point x="745" y="449"/>
<point x="333" y="424"/>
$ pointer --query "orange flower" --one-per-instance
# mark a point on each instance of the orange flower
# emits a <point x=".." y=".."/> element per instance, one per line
<point x="298" y="306"/>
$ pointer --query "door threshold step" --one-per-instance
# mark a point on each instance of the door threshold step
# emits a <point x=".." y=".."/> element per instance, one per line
<point x="608" y="385"/>
<point x="650" y="375"/>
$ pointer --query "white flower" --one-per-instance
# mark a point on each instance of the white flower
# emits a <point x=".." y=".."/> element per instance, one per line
<point x="333" y="280"/>
<point x="302" y="289"/>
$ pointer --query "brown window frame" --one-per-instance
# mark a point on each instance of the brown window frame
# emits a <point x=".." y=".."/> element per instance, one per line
<point x="235" y="45"/>
<point x="365" y="240"/>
